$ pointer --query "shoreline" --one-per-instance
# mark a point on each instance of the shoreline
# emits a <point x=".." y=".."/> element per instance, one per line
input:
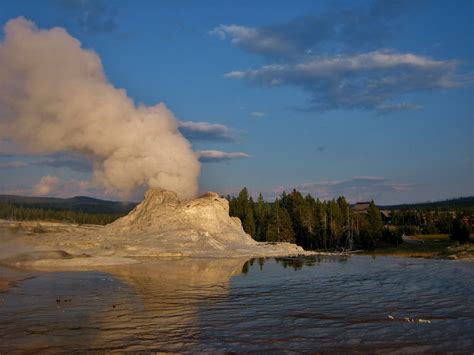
<point x="58" y="245"/>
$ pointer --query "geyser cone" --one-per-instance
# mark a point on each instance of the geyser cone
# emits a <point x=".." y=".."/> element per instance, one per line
<point x="160" y="226"/>
<point x="199" y="227"/>
<point x="202" y="223"/>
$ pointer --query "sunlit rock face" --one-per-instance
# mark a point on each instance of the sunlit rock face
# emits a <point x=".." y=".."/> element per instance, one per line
<point x="199" y="227"/>
<point x="161" y="213"/>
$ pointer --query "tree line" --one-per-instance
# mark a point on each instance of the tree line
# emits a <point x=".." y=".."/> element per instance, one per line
<point x="311" y="223"/>
<point x="19" y="213"/>
<point x="308" y="222"/>
<point x="457" y="224"/>
<point x="315" y="224"/>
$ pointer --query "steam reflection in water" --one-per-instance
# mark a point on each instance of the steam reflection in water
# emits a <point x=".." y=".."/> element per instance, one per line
<point x="318" y="303"/>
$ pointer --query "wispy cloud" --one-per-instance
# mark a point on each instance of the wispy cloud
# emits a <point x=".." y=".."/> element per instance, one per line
<point x="59" y="160"/>
<point x="362" y="81"/>
<point x="255" y="40"/>
<point x="8" y="155"/>
<point x="211" y="156"/>
<point x="344" y="29"/>
<point x="91" y="16"/>
<point x="258" y="114"/>
<point x="71" y="162"/>
<point x="355" y="189"/>
<point x="54" y="186"/>
<point x="46" y="185"/>
<point x="7" y="148"/>
<point x="356" y="70"/>
<point x="402" y="106"/>
<point x="14" y="164"/>
<point x="205" y="131"/>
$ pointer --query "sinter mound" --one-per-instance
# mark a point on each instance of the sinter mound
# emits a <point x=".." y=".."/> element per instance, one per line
<point x="160" y="226"/>
<point x="199" y="227"/>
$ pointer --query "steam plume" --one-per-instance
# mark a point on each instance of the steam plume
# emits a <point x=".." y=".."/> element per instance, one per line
<point x="54" y="96"/>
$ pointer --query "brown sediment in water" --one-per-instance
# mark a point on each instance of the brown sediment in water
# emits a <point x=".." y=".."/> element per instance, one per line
<point x="4" y="285"/>
<point x="11" y="279"/>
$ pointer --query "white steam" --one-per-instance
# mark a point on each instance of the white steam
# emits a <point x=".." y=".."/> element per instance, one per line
<point x="54" y="96"/>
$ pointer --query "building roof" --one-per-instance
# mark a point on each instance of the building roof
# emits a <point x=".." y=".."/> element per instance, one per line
<point x="361" y="206"/>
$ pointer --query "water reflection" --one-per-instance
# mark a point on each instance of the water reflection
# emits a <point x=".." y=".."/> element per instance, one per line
<point x="284" y="304"/>
<point x="295" y="262"/>
<point x="143" y="306"/>
<point x="343" y="304"/>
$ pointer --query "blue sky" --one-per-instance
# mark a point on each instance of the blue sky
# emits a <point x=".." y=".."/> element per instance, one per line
<point x="373" y="100"/>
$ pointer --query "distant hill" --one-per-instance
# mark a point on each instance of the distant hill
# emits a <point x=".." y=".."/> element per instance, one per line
<point x="78" y="204"/>
<point x="94" y="205"/>
<point x="461" y="203"/>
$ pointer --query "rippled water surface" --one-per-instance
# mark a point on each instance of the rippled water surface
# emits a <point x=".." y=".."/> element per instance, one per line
<point x="318" y="303"/>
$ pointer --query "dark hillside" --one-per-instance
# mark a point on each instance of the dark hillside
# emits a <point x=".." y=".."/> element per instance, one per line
<point x="77" y="204"/>
<point x="461" y="203"/>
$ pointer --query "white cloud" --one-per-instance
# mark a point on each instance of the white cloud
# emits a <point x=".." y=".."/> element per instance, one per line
<point x="59" y="160"/>
<point x="205" y="131"/>
<point x="402" y="106"/>
<point x="253" y="39"/>
<point x="366" y="81"/>
<point x="355" y="71"/>
<point x="72" y="162"/>
<point x="91" y="16"/>
<point x="355" y="189"/>
<point x="14" y="165"/>
<point x="258" y="114"/>
<point x="46" y="185"/>
<point x="55" y="187"/>
<point x="356" y="27"/>
<point x="235" y="32"/>
<point x="208" y="156"/>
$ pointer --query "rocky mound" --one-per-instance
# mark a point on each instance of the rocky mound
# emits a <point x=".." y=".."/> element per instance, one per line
<point x="199" y="227"/>
<point x="160" y="226"/>
<point x="162" y="215"/>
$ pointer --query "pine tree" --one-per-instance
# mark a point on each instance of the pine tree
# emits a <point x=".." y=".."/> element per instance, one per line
<point x="459" y="232"/>
<point x="335" y="223"/>
<point x="301" y="211"/>
<point x="243" y="207"/>
<point x="249" y="218"/>
<point x="320" y="221"/>
<point x="262" y="215"/>
<point x="232" y="206"/>
<point x="309" y="222"/>
<point x="280" y="228"/>
<point x="242" y="203"/>
<point x="374" y="218"/>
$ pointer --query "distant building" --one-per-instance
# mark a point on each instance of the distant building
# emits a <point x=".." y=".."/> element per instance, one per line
<point x="363" y="207"/>
<point x="386" y="216"/>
